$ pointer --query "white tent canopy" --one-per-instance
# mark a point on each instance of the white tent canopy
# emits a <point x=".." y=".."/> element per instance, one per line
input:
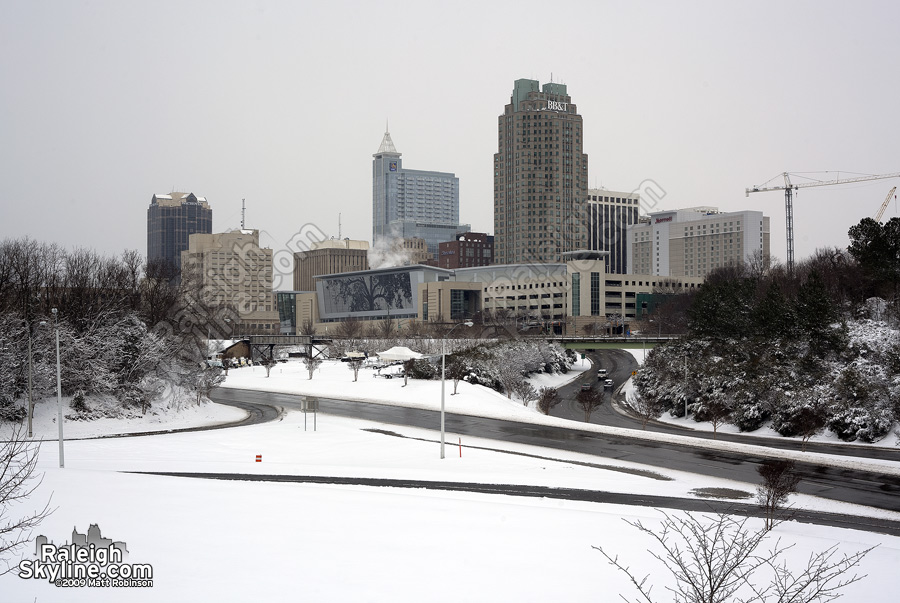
<point x="398" y="353"/>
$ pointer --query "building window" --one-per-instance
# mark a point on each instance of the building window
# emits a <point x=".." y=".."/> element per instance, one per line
<point x="576" y="294"/>
<point x="595" y="294"/>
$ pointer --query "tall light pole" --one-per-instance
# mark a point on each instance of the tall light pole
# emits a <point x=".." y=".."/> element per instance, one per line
<point x="468" y="323"/>
<point x="30" y="371"/>
<point x="59" y="418"/>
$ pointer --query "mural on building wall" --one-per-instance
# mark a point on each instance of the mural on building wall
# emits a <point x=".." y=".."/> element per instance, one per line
<point x="367" y="293"/>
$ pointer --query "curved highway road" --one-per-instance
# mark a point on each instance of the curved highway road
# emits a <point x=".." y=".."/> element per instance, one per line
<point x="620" y="364"/>
<point x="867" y="488"/>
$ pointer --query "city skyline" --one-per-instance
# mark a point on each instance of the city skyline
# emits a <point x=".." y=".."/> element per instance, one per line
<point x="699" y="100"/>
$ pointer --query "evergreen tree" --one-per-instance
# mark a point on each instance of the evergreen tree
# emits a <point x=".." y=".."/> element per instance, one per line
<point x="774" y="316"/>
<point x="723" y="309"/>
<point x="816" y="312"/>
<point x="876" y="248"/>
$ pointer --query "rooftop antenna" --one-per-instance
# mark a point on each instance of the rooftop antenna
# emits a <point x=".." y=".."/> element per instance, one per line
<point x="243" y="211"/>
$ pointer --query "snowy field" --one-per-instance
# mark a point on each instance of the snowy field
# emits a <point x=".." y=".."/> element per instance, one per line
<point x="253" y="541"/>
<point x="334" y="379"/>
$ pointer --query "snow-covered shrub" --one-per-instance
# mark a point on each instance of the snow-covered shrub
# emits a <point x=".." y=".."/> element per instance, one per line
<point x="485" y="363"/>
<point x="77" y="404"/>
<point x="750" y="416"/>
<point x="801" y="415"/>
<point x="856" y="423"/>
<point x="9" y="410"/>
<point x="422" y="369"/>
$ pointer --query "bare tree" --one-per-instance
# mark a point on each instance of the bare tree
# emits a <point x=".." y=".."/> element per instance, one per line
<point x="588" y="400"/>
<point x="456" y="370"/>
<point x="306" y="327"/>
<point x="349" y="328"/>
<point x="18" y="460"/>
<point x="408" y="366"/>
<point x="714" y="559"/>
<point x="526" y="391"/>
<point x="510" y="376"/>
<point x="207" y="380"/>
<point x="717" y="412"/>
<point x="666" y="286"/>
<point x="415" y="328"/>
<point x="312" y="363"/>
<point x="779" y="481"/>
<point x="386" y="327"/>
<point x="646" y="407"/>
<point x="761" y="264"/>
<point x="354" y="364"/>
<point x="268" y="363"/>
<point x="548" y="397"/>
<point x="810" y="420"/>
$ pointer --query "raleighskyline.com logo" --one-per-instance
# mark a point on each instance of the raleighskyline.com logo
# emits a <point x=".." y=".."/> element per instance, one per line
<point x="90" y="560"/>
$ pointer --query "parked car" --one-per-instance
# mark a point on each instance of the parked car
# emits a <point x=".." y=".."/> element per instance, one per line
<point x="608" y="383"/>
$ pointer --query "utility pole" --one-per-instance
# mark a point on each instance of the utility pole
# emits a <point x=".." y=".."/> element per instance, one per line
<point x="30" y="396"/>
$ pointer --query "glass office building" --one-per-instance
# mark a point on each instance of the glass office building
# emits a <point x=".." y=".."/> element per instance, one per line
<point x="171" y="220"/>
<point x="412" y="203"/>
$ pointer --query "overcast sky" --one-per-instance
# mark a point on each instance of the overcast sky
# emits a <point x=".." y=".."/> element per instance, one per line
<point x="104" y="103"/>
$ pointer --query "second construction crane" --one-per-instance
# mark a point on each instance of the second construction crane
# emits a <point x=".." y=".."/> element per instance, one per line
<point x="885" y="204"/>
<point x="789" y="188"/>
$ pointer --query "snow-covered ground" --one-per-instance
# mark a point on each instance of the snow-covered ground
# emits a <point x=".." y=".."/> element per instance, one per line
<point x="252" y="541"/>
<point x="333" y="378"/>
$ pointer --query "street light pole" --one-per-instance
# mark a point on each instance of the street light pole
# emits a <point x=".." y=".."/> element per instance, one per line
<point x="59" y="418"/>
<point x="468" y="323"/>
<point x="30" y="397"/>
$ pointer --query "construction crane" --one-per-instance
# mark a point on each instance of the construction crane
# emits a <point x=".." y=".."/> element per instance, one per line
<point x="789" y="189"/>
<point x="885" y="204"/>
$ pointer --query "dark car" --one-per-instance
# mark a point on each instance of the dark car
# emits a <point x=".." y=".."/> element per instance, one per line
<point x="585" y="387"/>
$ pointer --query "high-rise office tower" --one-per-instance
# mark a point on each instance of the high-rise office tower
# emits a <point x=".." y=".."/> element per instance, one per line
<point x="540" y="176"/>
<point x="171" y="220"/>
<point x="233" y="272"/>
<point x="412" y="203"/>
<point x="609" y="214"/>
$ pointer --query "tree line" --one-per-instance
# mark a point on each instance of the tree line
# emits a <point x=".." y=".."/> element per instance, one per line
<point x="801" y="350"/>
<point x="129" y="329"/>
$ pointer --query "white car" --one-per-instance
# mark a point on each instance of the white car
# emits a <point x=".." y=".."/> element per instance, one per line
<point x="608" y="383"/>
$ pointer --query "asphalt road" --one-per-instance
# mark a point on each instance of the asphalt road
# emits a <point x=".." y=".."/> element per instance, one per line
<point x="871" y="489"/>
<point x="620" y="364"/>
<point x="880" y="526"/>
